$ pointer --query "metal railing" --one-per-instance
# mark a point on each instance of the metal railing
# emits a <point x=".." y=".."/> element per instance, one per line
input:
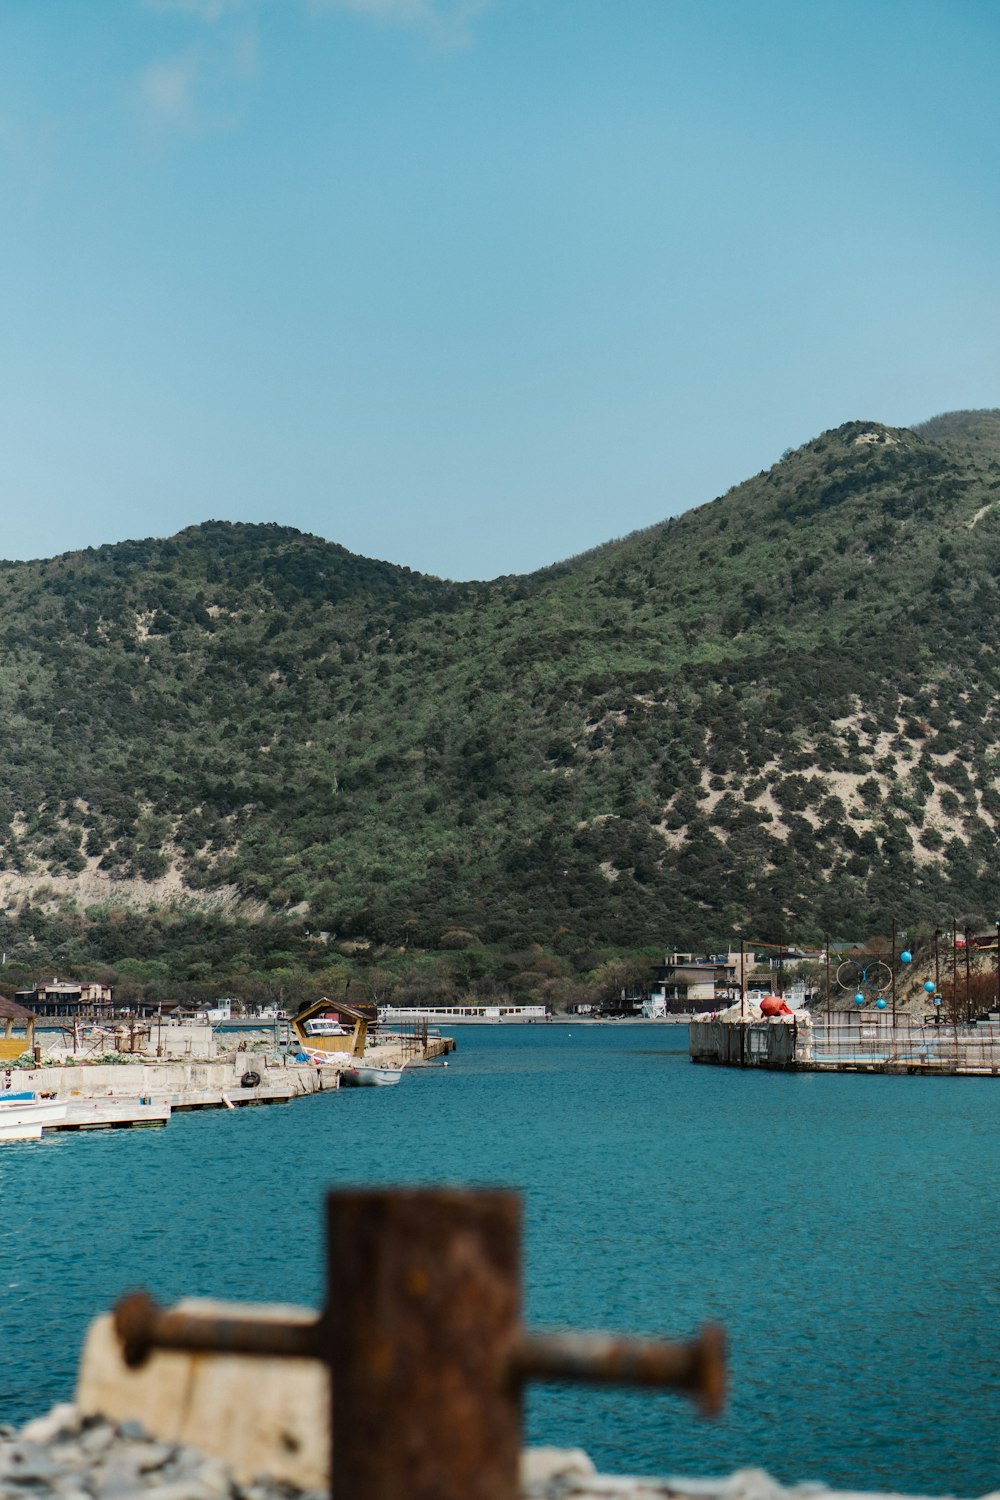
<point x="908" y="1043"/>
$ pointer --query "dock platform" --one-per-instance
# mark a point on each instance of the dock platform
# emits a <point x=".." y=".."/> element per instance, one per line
<point x="280" y="1092"/>
<point x="111" y="1114"/>
<point x="101" y="1096"/>
<point x="847" y="1043"/>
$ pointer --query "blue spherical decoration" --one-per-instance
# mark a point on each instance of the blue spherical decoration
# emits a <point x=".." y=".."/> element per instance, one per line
<point x="929" y="986"/>
<point x="859" y="999"/>
<point x="880" y="1004"/>
<point x="906" y="956"/>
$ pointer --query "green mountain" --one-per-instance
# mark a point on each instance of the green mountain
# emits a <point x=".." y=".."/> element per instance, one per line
<point x="775" y="714"/>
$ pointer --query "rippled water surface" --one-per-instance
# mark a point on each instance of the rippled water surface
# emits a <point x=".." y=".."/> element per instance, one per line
<point x="843" y="1228"/>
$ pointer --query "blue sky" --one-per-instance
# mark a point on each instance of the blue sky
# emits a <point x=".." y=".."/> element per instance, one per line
<point x="474" y="285"/>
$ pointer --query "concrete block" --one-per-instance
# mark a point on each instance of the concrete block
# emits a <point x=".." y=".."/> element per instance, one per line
<point x="259" y="1415"/>
<point x="540" y="1466"/>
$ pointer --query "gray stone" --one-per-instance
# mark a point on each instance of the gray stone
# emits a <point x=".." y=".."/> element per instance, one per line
<point x="119" y="1474"/>
<point x="61" y="1457"/>
<point x="62" y="1419"/>
<point x="68" y="1454"/>
<point x="156" y="1456"/>
<point x="183" y="1463"/>
<point x="133" y="1430"/>
<point x="96" y="1437"/>
<point x="25" y="1464"/>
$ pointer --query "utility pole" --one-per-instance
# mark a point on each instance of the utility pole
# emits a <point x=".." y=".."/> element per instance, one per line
<point x="743" y="978"/>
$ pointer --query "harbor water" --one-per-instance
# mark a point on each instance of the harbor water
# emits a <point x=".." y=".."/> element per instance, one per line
<point x="843" y="1228"/>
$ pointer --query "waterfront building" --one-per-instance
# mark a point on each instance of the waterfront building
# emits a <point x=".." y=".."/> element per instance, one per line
<point x="683" y="983"/>
<point x="67" y="997"/>
<point x="469" y="1011"/>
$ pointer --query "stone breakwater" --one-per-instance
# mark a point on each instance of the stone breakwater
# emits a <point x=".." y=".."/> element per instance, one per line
<point x="66" y="1456"/>
<point x="146" y="1091"/>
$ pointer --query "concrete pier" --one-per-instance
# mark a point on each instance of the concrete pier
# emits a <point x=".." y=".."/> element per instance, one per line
<point x="844" y="1042"/>
<point x="111" y="1114"/>
<point x="147" y="1091"/>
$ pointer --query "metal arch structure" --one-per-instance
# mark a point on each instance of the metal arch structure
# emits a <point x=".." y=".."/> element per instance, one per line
<point x="423" y="1341"/>
<point x="872" y="979"/>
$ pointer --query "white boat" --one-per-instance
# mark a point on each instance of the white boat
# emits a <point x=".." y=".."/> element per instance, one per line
<point x="324" y="1026"/>
<point x="24" y="1116"/>
<point x="367" y="1077"/>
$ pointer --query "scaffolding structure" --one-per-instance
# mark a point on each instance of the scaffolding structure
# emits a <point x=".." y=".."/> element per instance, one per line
<point x="874" y="1043"/>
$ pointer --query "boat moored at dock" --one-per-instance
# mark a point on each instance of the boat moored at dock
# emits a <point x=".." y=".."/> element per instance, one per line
<point x="23" y="1116"/>
<point x="373" y="1077"/>
<point x="324" y="1026"/>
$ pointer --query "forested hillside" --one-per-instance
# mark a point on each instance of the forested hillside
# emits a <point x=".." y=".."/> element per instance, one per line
<point x="777" y="713"/>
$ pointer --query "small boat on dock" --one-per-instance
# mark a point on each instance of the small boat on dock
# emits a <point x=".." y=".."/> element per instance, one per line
<point x="23" y="1116"/>
<point x="324" y="1026"/>
<point x="368" y="1077"/>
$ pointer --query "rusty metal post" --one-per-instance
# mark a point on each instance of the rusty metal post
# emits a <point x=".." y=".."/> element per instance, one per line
<point x="423" y="1328"/>
<point x="698" y="1367"/>
<point x="143" y="1326"/>
<point x="422" y="1336"/>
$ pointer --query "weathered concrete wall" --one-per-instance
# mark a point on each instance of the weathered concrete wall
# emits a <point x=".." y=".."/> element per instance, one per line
<point x="261" y="1416"/>
<point x="743" y="1044"/>
<point x="187" y="1081"/>
<point x="129" y="1080"/>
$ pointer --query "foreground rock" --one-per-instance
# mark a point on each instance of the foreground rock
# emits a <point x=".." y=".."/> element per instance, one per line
<point x="68" y="1456"/>
<point x="568" y="1474"/>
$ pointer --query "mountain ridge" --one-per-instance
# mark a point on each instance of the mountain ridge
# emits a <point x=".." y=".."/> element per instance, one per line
<point x="776" y="712"/>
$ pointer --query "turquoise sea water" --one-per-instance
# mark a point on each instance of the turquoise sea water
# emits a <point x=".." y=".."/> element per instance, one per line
<point x="843" y="1228"/>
